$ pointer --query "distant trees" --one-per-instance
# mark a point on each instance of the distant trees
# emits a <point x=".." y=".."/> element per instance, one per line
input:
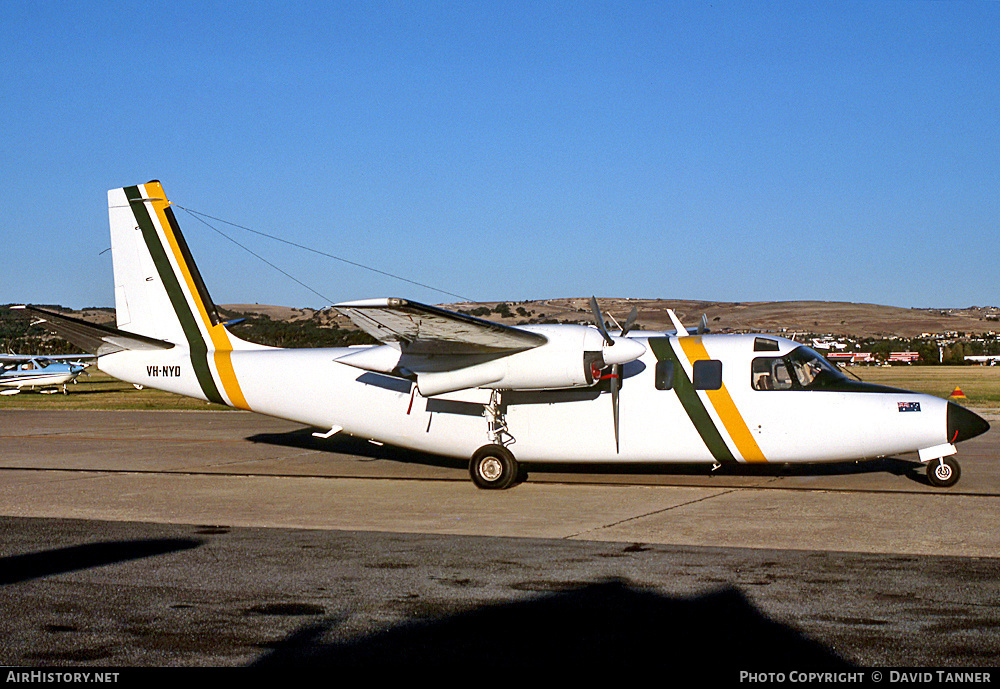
<point x="303" y="333"/>
<point x="502" y="309"/>
<point x="18" y="336"/>
<point x="953" y="354"/>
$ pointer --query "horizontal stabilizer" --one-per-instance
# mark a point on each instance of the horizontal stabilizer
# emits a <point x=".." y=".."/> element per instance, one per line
<point x="92" y="337"/>
<point x="420" y="329"/>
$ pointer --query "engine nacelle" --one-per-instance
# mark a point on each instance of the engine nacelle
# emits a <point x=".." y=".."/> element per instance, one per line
<point x="568" y="359"/>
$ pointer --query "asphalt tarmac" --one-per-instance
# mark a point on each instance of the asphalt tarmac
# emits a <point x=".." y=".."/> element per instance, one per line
<point x="229" y="539"/>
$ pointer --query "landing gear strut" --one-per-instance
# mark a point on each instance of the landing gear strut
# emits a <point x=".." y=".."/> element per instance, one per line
<point x="493" y="466"/>
<point x="943" y="472"/>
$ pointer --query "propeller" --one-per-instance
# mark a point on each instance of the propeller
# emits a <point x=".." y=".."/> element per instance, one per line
<point x="616" y="369"/>
<point x="680" y="330"/>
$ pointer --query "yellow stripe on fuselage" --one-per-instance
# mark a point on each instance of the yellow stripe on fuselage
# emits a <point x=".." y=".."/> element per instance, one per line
<point x="725" y="407"/>
<point x="221" y="344"/>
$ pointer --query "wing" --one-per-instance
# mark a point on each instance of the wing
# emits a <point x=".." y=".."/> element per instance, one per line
<point x="16" y="358"/>
<point x="419" y="329"/>
<point x="92" y="337"/>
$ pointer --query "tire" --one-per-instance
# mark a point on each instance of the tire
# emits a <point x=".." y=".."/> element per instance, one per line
<point x="944" y="472"/>
<point x="493" y="467"/>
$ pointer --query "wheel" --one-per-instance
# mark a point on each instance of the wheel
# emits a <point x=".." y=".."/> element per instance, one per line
<point x="493" y="467"/>
<point x="944" y="472"/>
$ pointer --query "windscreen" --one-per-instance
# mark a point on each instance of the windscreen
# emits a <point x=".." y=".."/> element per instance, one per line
<point x="800" y="369"/>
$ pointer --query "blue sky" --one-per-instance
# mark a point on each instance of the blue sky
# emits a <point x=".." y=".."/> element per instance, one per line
<point x="507" y="151"/>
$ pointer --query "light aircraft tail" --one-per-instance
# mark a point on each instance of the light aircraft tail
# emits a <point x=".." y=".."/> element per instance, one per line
<point x="159" y="292"/>
<point x="162" y="306"/>
<point x="161" y="303"/>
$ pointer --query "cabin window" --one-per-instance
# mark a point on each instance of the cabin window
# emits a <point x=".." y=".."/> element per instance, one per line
<point x="770" y="373"/>
<point x="707" y="374"/>
<point x="763" y="344"/>
<point x="664" y="375"/>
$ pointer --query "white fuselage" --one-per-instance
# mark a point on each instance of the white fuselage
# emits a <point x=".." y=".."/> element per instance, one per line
<point x="732" y="423"/>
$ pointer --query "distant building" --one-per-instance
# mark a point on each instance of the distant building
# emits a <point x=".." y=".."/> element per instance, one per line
<point x="903" y="357"/>
<point x="990" y="359"/>
<point x="851" y="357"/>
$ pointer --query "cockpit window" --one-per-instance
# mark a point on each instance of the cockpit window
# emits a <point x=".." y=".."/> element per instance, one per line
<point x="800" y="369"/>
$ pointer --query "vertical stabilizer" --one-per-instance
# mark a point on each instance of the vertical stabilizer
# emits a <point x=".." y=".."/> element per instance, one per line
<point x="158" y="289"/>
<point x="159" y="292"/>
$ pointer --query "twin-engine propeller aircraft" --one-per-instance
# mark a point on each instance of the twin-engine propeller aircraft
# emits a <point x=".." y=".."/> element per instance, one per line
<point x="46" y="373"/>
<point x="506" y="397"/>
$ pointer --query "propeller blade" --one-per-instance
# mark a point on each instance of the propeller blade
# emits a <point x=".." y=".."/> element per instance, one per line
<point x="703" y="324"/>
<point x="600" y="321"/>
<point x="630" y="321"/>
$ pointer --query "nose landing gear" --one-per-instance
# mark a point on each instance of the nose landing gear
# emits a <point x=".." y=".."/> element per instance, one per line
<point x="943" y="472"/>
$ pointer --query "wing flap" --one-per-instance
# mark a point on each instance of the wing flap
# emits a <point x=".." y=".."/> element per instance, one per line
<point x="419" y="329"/>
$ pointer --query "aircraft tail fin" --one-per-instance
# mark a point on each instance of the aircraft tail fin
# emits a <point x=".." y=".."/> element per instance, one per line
<point x="159" y="292"/>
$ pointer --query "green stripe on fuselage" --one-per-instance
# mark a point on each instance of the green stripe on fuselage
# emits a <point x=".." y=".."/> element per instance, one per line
<point x="196" y="343"/>
<point x="692" y="403"/>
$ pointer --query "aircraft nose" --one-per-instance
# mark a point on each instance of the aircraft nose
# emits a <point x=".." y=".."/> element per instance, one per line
<point x="964" y="424"/>
<point x="622" y="351"/>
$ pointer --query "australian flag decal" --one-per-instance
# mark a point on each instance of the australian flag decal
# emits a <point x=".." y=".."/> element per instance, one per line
<point x="909" y="406"/>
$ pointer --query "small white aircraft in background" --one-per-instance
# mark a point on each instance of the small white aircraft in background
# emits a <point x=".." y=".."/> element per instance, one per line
<point x="46" y="373"/>
<point x="505" y="397"/>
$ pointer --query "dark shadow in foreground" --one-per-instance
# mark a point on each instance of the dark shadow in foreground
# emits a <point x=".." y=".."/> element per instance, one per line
<point x="603" y="626"/>
<point x="15" y="568"/>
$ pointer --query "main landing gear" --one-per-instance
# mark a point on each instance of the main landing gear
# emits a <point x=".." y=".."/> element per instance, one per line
<point x="943" y="472"/>
<point x="493" y="467"/>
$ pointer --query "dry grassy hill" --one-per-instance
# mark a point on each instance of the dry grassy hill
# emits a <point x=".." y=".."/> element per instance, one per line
<point x="837" y="318"/>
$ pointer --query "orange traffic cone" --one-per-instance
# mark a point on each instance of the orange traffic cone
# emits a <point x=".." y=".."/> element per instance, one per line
<point x="957" y="394"/>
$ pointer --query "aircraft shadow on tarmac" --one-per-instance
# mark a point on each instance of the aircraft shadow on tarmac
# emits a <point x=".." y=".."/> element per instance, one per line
<point x="599" y="626"/>
<point x="304" y="439"/>
<point x="344" y="444"/>
<point x="17" y="568"/>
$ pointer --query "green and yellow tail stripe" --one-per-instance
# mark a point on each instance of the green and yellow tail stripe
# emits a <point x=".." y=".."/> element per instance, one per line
<point x="188" y="297"/>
